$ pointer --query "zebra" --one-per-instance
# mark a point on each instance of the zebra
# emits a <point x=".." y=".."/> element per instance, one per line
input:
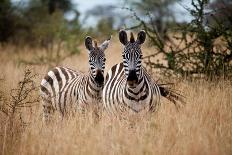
<point x="62" y="88"/>
<point x="128" y="86"/>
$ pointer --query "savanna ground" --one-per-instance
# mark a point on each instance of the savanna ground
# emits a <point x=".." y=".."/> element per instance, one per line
<point x="202" y="126"/>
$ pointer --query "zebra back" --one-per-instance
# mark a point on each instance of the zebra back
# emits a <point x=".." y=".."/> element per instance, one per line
<point x="63" y="88"/>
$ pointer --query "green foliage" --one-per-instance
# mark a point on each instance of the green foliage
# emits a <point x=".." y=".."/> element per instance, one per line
<point x="7" y="24"/>
<point x="37" y="23"/>
<point x="158" y="12"/>
<point x="103" y="29"/>
<point x="106" y="18"/>
<point x="41" y="24"/>
<point x="194" y="49"/>
<point x="53" y="5"/>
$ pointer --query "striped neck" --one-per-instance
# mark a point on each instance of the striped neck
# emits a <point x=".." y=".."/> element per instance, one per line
<point x="93" y="85"/>
<point x="139" y="92"/>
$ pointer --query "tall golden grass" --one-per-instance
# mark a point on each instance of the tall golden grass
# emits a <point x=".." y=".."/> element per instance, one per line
<point x="202" y="126"/>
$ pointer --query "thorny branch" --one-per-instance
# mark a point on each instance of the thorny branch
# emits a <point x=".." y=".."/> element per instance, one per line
<point x="194" y="50"/>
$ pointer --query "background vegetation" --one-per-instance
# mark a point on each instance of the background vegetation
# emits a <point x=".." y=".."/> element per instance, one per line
<point x="36" y="35"/>
<point x="201" y="46"/>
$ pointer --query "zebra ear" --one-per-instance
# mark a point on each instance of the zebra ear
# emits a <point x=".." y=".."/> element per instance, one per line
<point x="123" y="37"/>
<point x="88" y="43"/>
<point x="105" y="44"/>
<point x="141" y="37"/>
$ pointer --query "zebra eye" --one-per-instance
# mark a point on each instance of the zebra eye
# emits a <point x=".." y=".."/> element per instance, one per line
<point x="136" y="55"/>
<point x="127" y="55"/>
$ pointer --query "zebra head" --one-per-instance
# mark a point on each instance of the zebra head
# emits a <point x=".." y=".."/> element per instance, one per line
<point x="132" y="56"/>
<point x="97" y="58"/>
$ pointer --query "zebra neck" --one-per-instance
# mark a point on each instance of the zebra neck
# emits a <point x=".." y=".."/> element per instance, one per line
<point x="92" y="84"/>
<point x="137" y="93"/>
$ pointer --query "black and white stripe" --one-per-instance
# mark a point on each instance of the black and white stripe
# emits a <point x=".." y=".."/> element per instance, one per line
<point x="118" y="97"/>
<point x="63" y="89"/>
<point x="128" y="86"/>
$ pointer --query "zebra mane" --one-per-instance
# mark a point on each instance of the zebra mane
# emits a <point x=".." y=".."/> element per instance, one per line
<point x="132" y="39"/>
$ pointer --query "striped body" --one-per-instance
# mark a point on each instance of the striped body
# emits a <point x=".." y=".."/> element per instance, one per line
<point x="129" y="89"/>
<point x="118" y="98"/>
<point x="66" y="90"/>
<point x="63" y="88"/>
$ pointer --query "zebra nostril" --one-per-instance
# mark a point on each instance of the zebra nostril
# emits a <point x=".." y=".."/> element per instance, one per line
<point x="98" y="72"/>
<point x="99" y="78"/>
<point x="132" y="77"/>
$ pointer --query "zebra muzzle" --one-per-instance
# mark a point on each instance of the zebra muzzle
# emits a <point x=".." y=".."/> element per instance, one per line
<point x="99" y="78"/>
<point x="132" y="78"/>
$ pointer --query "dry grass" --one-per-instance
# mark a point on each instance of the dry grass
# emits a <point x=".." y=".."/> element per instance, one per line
<point x="202" y="126"/>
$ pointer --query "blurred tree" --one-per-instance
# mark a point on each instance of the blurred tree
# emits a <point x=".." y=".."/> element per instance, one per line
<point x="36" y="22"/>
<point x="159" y="12"/>
<point x="105" y="27"/>
<point x="103" y="12"/>
<point x="53" y="5"/>
<point x="108" y="18"/>
<point x="192" y="49"/>
<point x="6" y="20"/>
<point x="220" y="11"/>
